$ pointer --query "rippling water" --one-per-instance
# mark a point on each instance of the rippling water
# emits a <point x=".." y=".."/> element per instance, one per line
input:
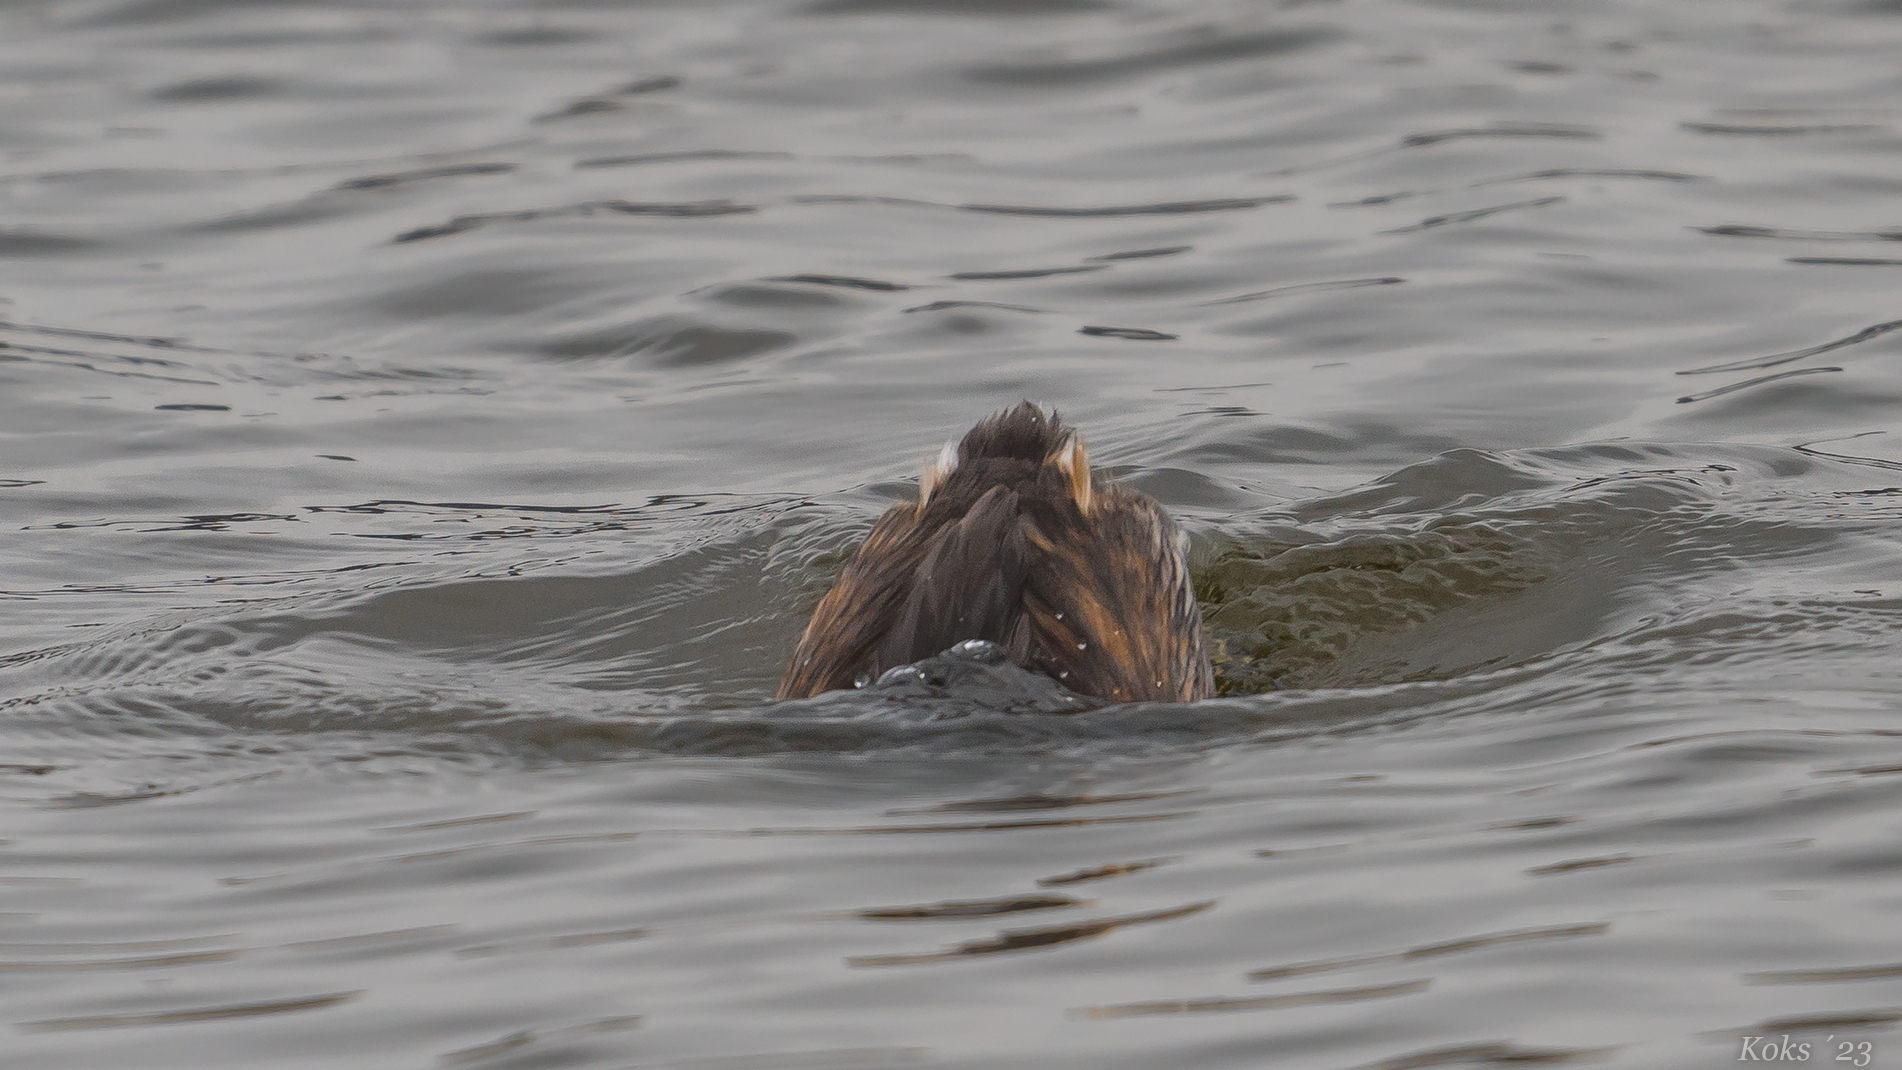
<point x="426" y="426"/>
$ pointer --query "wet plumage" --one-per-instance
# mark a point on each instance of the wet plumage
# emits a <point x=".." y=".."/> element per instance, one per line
<point x="1015" y="541"/>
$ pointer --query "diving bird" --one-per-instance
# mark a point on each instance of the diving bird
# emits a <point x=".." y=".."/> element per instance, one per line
<point x="1014" y="540"/>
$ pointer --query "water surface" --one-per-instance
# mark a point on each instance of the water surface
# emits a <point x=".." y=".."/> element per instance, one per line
<point x="425" y="427"/>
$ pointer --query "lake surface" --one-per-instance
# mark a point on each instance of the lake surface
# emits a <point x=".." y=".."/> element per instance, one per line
<point x="425" y="427"/>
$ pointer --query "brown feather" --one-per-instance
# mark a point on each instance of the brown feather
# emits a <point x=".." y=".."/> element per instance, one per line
<point x="1015" y="541"/>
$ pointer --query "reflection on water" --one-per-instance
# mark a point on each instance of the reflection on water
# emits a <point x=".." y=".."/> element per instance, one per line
<point x="426" y="428"/>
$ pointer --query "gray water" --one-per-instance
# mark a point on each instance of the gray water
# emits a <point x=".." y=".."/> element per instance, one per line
<point x="425" y="428"/>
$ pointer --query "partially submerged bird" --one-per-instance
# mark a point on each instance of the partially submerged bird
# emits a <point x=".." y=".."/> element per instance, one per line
<point x="1013" y="540"/>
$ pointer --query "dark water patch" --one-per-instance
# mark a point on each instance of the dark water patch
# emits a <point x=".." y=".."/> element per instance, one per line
<point x="1132" y="334"/>
<point x="1449" y="947"/>
<point x="396" y="179"/>
<point x="1381" y="198"/>
<point x="1143" y="254"/>
<point x="80" y="360"/>
<point x="538" y="36"/>
<point x="576" y="109"/>
<point x="652" y="84"/>
<point x="1226" y="1004"/>
<point x="1292" y="605"/>
<point x="1474" y="215"/>
<point x="1165" y="53"/>
<point x="934" y="828"/>
<point x="540" y="1037"/>
<point x="146" y="341"/>
<point x="26" y="243"/>
<point x="102" y="948"/>
<point x="1228" y="204"/>
<point x="1738" y="230"/>
<point x="191" y="1014"/>
<point x="1831" y="975"/>
<point x="1774" y="359"/>
<point x="1547" y="175"/>
<point x="1532" y="824"/>
<point x="611" y="100"/>
<point x="217" y="521"/>
<point x="826" y="1059"/>
<point x="961" y="8"/>
<point x="151" y="12"/>
<point x="782" y="300"/>
<point x="677" y="210"/>
<point x="848" y="282"/>
<point x="971" y="908"/>
<point x="1103" y="872"/>
<point x="1867" y="770"/>
<point x="1593" y="172"/>
<point x="1809" y="449"/>
<point x="1015" y="940"/>
<point x="1305" y="288"/>
<point x="1562" y="131"/>
<point x="1781" y="129"/>
<point x="1577" y="865"/>
<point x="150" y="962"/>
<point x="1748" y="383"/>
<point x="219" y="89"/>
<point x="1212" y="388"/>
<point x="1843" y="261"/>
<point x="1026" y="273"/>
<point x="459" y="822"/>
<point x="1492" y="1053"/>
<point x="945" y="306"/>
<point x="866" y="198"/>
<point x="684" y="156"/>
<point x="1041" y="801"/>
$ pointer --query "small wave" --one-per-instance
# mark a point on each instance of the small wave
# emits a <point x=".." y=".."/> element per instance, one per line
<point x="396" y="179"/>
<point x="1739" y="230"/>
<point x="30" y="243"/>
<point x="1748" y="383"/>
<point x="1781" y="129"/>
<point x="1474" y="215"/>
<point x="1143" y="254"/>
<point x="1228" y="204"/>
<point x="676" y="210"/>
<point x="1843" y="261"/>
<point x="1774" y="359"/>
<point x="1565" y="131"/>
<point x="849" y="282"/>
<point x="685" y="156"/>
<point x="1026" y="273"/>
<point x="1168" y="53"/>
<point x="1306" y="287"/>
<point x="1131" y="334"/>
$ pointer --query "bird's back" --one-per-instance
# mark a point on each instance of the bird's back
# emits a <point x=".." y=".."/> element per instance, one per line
<point x="1014" y="541"/>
